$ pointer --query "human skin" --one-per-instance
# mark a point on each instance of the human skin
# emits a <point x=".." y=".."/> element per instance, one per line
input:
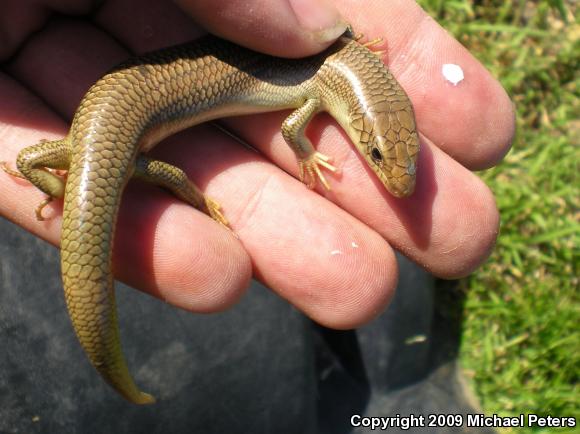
<point x="331" y="254"/>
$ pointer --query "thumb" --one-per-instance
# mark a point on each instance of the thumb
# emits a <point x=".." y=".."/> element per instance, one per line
<point x="287" y="28"/>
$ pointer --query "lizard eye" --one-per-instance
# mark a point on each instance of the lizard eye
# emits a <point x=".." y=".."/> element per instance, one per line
<point x="376" y="154"/>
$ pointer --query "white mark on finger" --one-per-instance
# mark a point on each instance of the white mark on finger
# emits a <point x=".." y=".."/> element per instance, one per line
<point x="452" y="73"/>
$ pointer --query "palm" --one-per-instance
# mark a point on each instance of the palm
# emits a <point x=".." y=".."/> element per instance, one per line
<point x="330" y="256"/>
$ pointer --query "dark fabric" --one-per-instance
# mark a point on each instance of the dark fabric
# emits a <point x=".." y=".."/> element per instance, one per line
<point x="260" y="367"/>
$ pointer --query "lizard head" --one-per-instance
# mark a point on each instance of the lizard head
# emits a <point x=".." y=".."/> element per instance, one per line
<point x="388" y="141"/>
<point x="376" y="113"/>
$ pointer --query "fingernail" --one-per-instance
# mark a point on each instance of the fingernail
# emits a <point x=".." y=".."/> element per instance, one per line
<point x="320" y="18"/>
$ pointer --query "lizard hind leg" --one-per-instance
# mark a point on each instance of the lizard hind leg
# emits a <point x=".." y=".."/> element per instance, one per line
<point x="176" y="181"/>
<point x="33" y="165"/>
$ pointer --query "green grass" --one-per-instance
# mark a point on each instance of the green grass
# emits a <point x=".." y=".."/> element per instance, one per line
<point x="521" y="330"/>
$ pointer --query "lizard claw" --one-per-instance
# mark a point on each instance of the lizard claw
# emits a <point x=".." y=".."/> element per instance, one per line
<point x="15" y="173"/>
<point x="9" y="171"/>
<point x="214" y="211"/>
<point x="309" y="170"/>
<point x="372" y="43"/>
<point x="40" y="207"/>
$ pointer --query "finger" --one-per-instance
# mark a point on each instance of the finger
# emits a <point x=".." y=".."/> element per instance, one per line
<point x="325" y="262"/>
<point x="155" y="24"/>
<point x="299" y="243"/>
<point x="289" y="28"/>
<point x="448" y="225"/>
<point x="60" y="79"/>
<point x="17" y="21"/>
<point x="20" y="19"/>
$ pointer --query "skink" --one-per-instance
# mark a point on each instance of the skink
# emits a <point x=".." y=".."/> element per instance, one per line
<point x="133" y="107"/>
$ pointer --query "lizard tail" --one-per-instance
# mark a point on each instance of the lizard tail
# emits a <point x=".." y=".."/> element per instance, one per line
<point x="89" y="219"/>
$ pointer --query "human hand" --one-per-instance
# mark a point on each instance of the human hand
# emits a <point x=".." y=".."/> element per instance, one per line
<point x="332" y="257"/>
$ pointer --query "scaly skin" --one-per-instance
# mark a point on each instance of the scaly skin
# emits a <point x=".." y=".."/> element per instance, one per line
<point x="146" y="99"/>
